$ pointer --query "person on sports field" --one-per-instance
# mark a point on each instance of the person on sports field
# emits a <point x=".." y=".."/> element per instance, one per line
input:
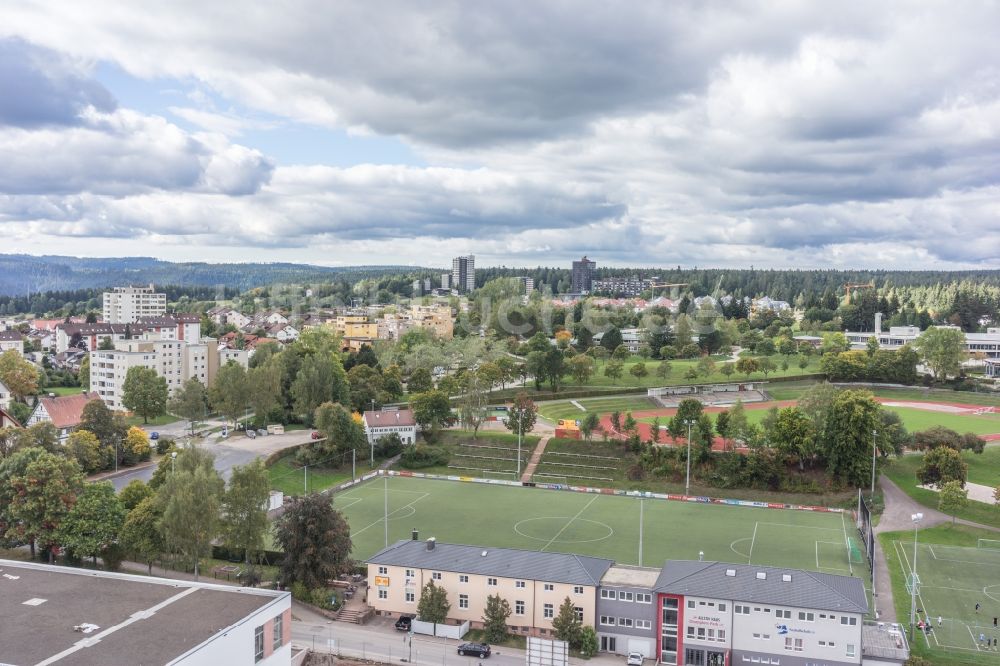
<point x="977" y="607"/>
<point x="940" y="621"/>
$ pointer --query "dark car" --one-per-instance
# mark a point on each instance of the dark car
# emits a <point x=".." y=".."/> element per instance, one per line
<point x="404" y="623"/>
<point x="481" y="650"/>
<point x="154" y="435"/>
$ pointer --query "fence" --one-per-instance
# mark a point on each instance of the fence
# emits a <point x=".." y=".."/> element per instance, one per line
<point x="867" y="533"/>
<point x="390" y="650"/>
<point x="455" y="631"/>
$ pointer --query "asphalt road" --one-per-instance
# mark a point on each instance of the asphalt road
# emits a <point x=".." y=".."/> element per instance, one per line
<point x="235" y="450"/>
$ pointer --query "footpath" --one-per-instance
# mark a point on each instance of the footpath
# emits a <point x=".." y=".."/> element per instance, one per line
<point x="536" y="457"/>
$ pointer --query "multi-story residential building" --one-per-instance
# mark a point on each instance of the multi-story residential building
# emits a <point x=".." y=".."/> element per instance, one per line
<point x="626" y="614"/>
<point x="528" y="283"/>
<point x="384" y="422"/>
<point x="392" y="326"/>
<point x="170" y="327"/>
<point x="533" y="583"/>
<point x="11" y="339"/>
<point x="124" y="305"/>
<point x="436" y="317"/>
<point x="63" y="412"/>
<point x="717" y="614"/>
<point x="630" y="286"/>
<point x="417" y="288"/>
<point x="92" y="336"/>
<point x="582" y="276"/>
<point x="65" y="615"/>
<point x="5" y="396"/>
<point x="445" y="281"/>
<point x="987" y="344"/>
<point x="463" y="273"/>
<point x="224" y="315"/>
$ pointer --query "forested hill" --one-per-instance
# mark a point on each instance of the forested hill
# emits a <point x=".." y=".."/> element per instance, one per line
<point x="21" y="274"/>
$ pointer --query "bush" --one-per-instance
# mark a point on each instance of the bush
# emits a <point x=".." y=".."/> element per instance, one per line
<point x="421" y="456"/>
<point x="300" y="592"/>
<point x="941" y="465"/>
<point x="163" y="445"/>
<point x="388" y="446"/>
<point x="635" y="473"/>
<point x="323" y="598"/>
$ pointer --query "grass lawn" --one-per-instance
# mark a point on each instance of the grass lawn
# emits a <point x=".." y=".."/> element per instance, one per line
<point x="594" y="524"/>
<point x="290" y="478"/>
<point x="492" y="454"/>
<point x="564" y="409"/>
<point x="953" y="572"/>
<point x="922" y="419"/>
<point x="63" y="390"/>
<point x="903" y="469"/>
<point x="161" y="420"/>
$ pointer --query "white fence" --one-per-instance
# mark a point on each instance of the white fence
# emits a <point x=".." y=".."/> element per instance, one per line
<point x="455" y="631"/>
<point x="543" y="652"/>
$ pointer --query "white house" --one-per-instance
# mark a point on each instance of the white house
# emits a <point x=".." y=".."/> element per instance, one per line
<point x="65" y="412"/>
<point x="381" y="423"/>
<point x="5" y="396"/>
<point x="11" y="340"/>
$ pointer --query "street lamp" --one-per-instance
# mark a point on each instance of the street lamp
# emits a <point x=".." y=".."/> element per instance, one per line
<point x="687" y="484"/>
<point x="916" y="518"/>
<point x="874" y="450"/>
<point x="173" y="462"/>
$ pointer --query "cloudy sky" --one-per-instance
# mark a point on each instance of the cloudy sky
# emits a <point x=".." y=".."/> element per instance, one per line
<point x="660" y="133"/>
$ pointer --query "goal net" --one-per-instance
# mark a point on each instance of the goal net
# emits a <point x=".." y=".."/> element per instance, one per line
<point x="992" y="544"/>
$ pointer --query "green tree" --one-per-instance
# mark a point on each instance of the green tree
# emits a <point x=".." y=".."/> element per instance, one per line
<point x="871" y="346"/>
<point x="614" y="369"/>
<point x="941" y="465"/>
<point x="786" y="346"/>
<point x="190" y="402"/>
<point x="474" y="406"/>
<point x="620" y="353"/>
<point x="555" y="367"/>
<point x="638" y="371"/>
<point x="588" y="642"/>
<point x="191" y="501"/>
<point x="766" y="365"/>
<point x="341" y="431"/>
<point x="93" y="524"/>
<point x="590" y="424"/>
<point x="581" y="368"/>
<point x="229" y="393"/>
<point x="136" y="446"/>
<point x="834" y="343"/>
<point x="144" y="392"/>
<point x="567" y="625"/>
<point x="140" y="535"/>
<point x="83" y="376"/>
<point x="663" y="369"/>
<point x="83" y="446"/>
<point x="611" y="339"/>
<point x="738" y="425"/>
<point x="366" y="388"/>
<point x="943" y="350"/>
<point x="41" y="498"/>
<point x="706" y="366"/>
<point x="316" y="541"/>
<point x="747" y="366"/>
<point x="495" y="617"/>
<point x="522" y="414"/>
<point x="431" y="410"/>
<point x="420" y="381"/>
<point x="848" y="436"/>
<point x="245" y="509"/>
<point x="433" y="605"/>
<point x="954" y="498"/>
<point x="794" y="435"/>
<point x="133" y="493"/>
<point x="817" y="403"/>
<point x="19" y="375"/>
<point x="264" y="389"/>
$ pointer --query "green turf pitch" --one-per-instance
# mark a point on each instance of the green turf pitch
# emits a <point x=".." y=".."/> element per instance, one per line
<point x="953" y="579"/>
<point x="592" y="524"/>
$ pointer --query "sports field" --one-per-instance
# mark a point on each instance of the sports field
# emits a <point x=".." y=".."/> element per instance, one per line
<point x="596" y="524"/>
<point x="952" y="580"/>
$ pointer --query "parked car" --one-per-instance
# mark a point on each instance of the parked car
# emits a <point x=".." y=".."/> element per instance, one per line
<point x="634" y="659"/>
<point x="262" y="432"/>
<point x="154" y="435"/>
<point x="251" y="434"/>
<point x="404" y="623"/>
<point x="481" y="650"/>
<point x="315" y="435"/>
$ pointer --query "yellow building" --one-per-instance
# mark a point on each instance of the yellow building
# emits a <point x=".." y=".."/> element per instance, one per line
<point x="534" y="583"/>
<point x="435" y="317"/>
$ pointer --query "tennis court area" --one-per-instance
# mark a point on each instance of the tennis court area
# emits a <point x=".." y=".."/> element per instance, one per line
<point x="952" y="580"/>
<point x="601" y="525"/>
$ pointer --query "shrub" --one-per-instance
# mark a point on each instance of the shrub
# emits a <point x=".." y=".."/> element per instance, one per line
<point x="323" y="598"/>
<point x="940" y="465"/>
<point x="300" y="592"/>
<point x="388" y="446"/>
<point x="163" y="445"/>
<point x="635" y="473"/>
<point x="420" y="456"/>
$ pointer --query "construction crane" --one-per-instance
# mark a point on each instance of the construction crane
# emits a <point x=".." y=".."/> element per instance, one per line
<point x="851" y="287"/>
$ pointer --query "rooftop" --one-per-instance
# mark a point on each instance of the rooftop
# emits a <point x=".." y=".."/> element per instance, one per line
<point x="622" y="575"/>
<point x="389" y="417"/>
<point x="67" y="411"/>
<point x="11" y="335"/>
<point x="769" y="585"/>
<point x="500" y="562"/>
<point x="86" y="617"/>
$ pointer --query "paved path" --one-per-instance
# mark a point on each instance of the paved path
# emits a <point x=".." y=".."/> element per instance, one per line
<point x="977" y="492"/>
<point x="536" y="457"/>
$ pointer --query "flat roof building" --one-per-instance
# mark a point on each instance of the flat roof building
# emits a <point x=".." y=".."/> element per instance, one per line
<point x="62" y="615"/>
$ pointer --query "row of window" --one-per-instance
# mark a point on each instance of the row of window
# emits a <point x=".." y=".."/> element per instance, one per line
<point x="710" y="604"/>
<point x="705" y="634"/>
<point x="490" y="582"/>
<point x="804" y="616"/>
<point x="628" y="622"/>
<point x="258" y="639"/>
<point x="621" y="595"/>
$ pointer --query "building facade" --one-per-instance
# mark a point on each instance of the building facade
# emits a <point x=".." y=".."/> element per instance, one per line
<point x="630" y="286"/>
<point x="463" y="273"/>
<point x="124" y="305"/>
<point x="987" y="344"/>
<point x="385" y="422"/>
<point x="534" y="583"/>
<point x="11" y="340"/>
<point x="626" y="613"/>
<point x="63" y="412"/>
<point x="582" y="277"/>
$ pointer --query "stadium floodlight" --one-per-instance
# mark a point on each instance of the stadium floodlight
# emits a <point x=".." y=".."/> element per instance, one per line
<point x="874" y="450"/>
<point x="914" y="580"/>
<point x="687" y="483"/>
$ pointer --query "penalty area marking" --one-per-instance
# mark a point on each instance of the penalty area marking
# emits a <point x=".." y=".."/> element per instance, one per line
<point x="517" y="529"/>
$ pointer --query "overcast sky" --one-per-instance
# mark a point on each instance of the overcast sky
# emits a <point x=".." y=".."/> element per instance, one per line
<point x="713" y="134"/>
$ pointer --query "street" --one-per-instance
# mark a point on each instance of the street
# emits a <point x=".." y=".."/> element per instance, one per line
<point x="237" y="449"/>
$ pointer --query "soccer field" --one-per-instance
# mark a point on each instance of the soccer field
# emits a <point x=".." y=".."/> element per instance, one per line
<point x="593" y="524"/>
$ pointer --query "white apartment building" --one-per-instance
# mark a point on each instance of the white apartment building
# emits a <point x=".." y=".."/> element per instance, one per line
<point x="987" y="343"/>
<point x="125" y="305"/>
<point x="12" y="339"/>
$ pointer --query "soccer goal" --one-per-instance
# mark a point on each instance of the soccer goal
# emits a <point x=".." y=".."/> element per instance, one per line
<point x="991" y="544"/>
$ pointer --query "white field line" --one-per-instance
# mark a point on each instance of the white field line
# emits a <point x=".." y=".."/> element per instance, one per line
<point x="570" y="522"/>
<point x="847" y="545"/>
<point x="752" y="541"/>
<point x="382" y="519"/>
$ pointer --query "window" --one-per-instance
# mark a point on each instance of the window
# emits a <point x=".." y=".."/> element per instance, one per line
<point x="694" y="657"/>
<point x="624" y="622"/>
<point x="643" y="598"/>
<point x="756" y="637"/>
<point x="549" y="587"/>
<point x="278" y="634"/>
<point x="722" y="635"/>
<point x="608" y="594"/>
<point x="850" y="649"/>
<point x="722" y="607"/>
<point x="547" y="611"/>
<point x="624" y="596"/>
<point x="383" y="593"/>
<point x="435" y="575"/>
<point x="409" y="597"/>
<point x="798" y="645"/>
<point x="852" y="621"/>
<point x="463" y="601"/>
<point x="492" y="582"/>
<point x="518" y="608"/>
<point x="383" y="571"/>
<point x="409" y="573"/>
<point x="690" y="603"/>
<point x="788" y="643"/>
<point x="578" y="612"/>
<point x="690" y="632"/>
<point x="787" y="614"/>
<point x="741" y="610"/>
<point x="258" y="643"/>
<point x="607" y="621"/>
<point x="463" y="579"/>
<point x="519" y="584"/>
<point x="807" y="617"/>
<point x="643" y="624"/>
<point x="578" y="589"/>
<point x="701" y="633"/>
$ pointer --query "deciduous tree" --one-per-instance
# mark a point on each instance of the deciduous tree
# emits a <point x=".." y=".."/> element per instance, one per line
<point x="94" y="523"/>
<point x="144" y="392"/>
<point x="954" y="498"/>
<point x="133" y="493"/>
<point x="943" y="350"/>
<point x="495" y="617"/>
<point x="191" y="500"/>
<point x="41" y="499"/>
<point x="19" y="375"/>
<point x="190" y="402"/>
<point x="141" y="536"/>
<point x="433" y="605"/>
<point x="941" y="465"/>
<point x="245" y="509"/>
<point x="567" y="625"/>
<point x="229" y="393"/>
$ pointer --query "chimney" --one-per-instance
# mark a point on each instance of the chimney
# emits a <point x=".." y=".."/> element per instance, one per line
<point x="430" y="543"/>
<point x="415" y="534"/>
<point x="878" y="323"/>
